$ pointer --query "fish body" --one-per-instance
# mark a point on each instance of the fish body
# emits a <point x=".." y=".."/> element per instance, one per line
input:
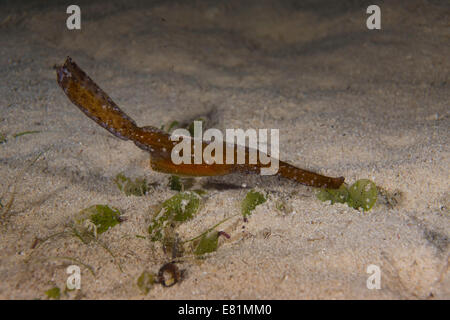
<point x="98" y="106"/>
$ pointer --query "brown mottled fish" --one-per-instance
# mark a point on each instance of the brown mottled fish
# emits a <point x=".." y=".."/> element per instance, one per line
<point x="98" y="106"/>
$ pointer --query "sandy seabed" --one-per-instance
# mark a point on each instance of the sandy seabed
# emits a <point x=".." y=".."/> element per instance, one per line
<point x="348" y="102"/>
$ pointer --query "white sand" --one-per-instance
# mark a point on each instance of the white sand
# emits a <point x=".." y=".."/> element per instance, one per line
<point x="348" y="102"/>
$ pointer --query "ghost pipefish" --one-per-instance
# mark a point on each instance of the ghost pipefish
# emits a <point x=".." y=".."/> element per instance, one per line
<point x="98" y="106"/>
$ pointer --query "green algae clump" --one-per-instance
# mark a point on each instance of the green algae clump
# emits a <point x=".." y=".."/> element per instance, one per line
<point x="101" y="216"/>
<point x="334" y="195"/>
<point x="138" y="187"/>
<point x="208" y="243"/>
<point x="146" y="281"/>
<point x="181" y="207"/>
<point x="53" y="293"/>
<point x="251" y="200"/>
<point x="362" y="194"/>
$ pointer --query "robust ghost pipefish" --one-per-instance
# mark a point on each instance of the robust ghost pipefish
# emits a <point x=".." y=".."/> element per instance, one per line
<point x="98" y="106"/>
